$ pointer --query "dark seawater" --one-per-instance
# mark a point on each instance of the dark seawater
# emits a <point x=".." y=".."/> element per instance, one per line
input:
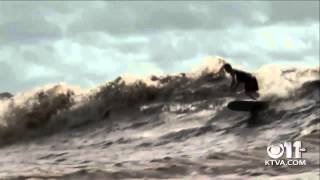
<point x="177" y="129"/>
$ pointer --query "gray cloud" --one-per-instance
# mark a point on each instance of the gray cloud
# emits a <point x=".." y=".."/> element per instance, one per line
<point x="294" y="11"/>
<point x="89" y="42"/>
<point x="120" y="18"/>
<point x="150" y="17"/>
<point x="21" y="32"/>
<point x="7" y="75"/>
<point x="27" y="23"/>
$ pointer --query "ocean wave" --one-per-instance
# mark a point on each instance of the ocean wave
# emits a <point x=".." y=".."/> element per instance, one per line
<point x="53" y="108"/>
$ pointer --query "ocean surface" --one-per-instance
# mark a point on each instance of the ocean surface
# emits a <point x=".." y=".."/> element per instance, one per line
<point x="160" y="127"/>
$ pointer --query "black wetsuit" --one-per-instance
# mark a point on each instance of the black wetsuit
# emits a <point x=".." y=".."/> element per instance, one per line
<point x="250" y="82"/>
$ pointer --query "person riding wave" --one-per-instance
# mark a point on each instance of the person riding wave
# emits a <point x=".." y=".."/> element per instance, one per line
<point x="250" y="82"/>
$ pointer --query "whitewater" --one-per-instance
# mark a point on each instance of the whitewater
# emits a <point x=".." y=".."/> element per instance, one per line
<point x="174" y="126"/>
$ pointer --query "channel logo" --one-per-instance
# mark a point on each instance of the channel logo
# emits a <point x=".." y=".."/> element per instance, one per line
<point x="286" y="153"/>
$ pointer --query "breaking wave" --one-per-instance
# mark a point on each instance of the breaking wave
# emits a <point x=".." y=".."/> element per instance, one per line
<point x="56" y="107"/>
<point x="181" y="118"/>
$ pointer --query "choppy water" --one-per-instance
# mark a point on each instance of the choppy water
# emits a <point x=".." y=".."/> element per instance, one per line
<point x="177" y="128"/>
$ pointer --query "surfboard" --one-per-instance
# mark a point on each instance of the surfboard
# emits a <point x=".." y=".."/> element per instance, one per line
<point x="247" y="105"/>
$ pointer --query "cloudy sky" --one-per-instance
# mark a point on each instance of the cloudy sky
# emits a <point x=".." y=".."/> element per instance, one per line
<point x="86" y="43"/>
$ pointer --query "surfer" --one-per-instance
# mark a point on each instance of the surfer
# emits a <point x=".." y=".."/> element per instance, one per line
<point x="250" y="82"/>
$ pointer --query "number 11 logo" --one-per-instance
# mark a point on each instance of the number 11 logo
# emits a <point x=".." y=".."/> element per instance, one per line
<point x="276" y="151"/>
